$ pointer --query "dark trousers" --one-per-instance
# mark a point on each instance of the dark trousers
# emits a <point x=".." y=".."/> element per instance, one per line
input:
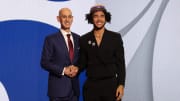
<point x="100" y="90"/>
<point x="71" y="97"/>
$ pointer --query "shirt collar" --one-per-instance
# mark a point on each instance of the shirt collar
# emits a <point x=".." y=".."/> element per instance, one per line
<point x="64" y="32"/>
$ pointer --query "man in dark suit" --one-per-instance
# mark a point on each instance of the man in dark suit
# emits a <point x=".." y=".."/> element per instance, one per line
<point x="102" y="55"/>
<point x="60" y="53"/>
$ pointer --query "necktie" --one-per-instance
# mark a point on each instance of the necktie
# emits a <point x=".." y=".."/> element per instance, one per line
<point x="71" y="50"/>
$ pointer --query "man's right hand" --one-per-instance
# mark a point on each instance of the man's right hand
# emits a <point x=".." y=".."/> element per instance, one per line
<point x="67" y="71"/>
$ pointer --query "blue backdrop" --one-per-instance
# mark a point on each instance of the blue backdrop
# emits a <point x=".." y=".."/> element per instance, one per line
<point x="21" y="44"/>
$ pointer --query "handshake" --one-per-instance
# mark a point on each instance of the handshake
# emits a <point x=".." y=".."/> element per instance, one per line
<point x="71" y="71"/>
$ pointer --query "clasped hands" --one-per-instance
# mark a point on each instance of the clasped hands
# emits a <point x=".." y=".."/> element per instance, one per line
<point x="71" y="71"/>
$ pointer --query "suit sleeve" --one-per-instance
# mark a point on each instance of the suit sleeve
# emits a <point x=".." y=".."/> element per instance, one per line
<point x="47" y="58"/>
<point x="119" y="53"/>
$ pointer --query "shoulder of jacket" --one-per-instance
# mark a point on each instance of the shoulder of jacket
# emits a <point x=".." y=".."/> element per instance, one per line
<point x="75" y="34"/>
<point x="112" y="32"/>
<point x="87" y="35"/>
<point x="53" y="35"/>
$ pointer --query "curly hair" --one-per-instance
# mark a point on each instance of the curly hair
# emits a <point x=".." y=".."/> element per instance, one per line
<point x="89" y="16"/>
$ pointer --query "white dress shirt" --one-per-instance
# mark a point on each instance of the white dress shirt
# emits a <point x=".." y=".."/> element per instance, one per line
<point x="64" y="33"/>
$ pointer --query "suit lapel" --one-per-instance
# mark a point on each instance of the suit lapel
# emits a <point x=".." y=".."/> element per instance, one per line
<point x="92" y="39"/>
<point x="104" y="40"/>
<point x="101" y="47"/>
<point x="76" y="47"/>
<point x="63" y="44"/>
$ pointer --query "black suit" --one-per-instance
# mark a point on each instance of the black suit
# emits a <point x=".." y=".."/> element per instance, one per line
<point x="104" y="64"/>
<point x="55" y="57"/>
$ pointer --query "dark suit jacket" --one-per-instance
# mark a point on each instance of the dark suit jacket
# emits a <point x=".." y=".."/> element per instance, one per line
<point x="54" y="58"/>
<point x="104" y="61"/>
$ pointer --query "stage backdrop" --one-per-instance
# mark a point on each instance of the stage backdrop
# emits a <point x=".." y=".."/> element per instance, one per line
<point x="150" y="31"/>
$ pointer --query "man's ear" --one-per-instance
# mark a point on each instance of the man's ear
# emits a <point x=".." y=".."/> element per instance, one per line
<point x="58" y="19"/>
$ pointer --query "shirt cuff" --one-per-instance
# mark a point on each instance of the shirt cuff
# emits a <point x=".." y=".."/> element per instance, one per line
<point x="63" y="71"/>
